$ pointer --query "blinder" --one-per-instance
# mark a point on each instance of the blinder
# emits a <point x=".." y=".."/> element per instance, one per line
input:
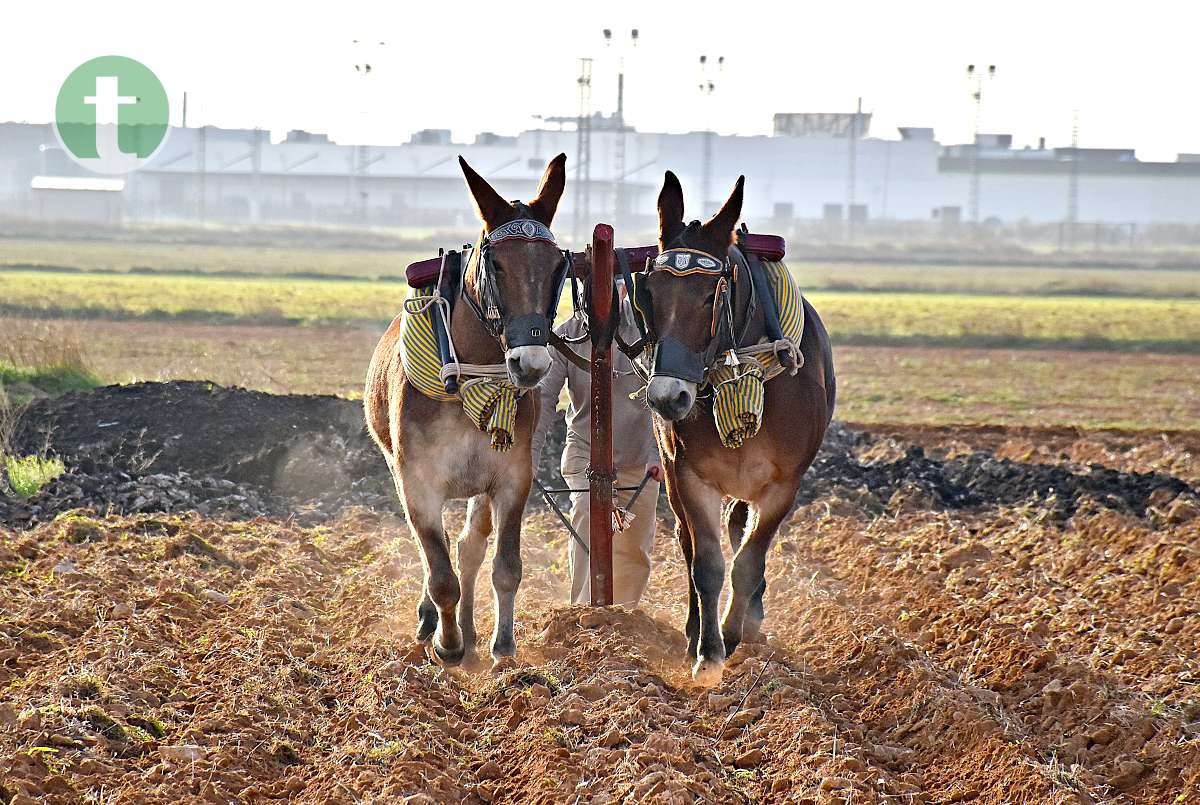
<point x="640" y="299"/>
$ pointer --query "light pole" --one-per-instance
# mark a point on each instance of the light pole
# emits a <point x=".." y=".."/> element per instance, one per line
<point x="852" y="170"/>
<point x="619" y="122"/>
<point x="366" y="64"/>
<point x="1073" y="182"/>
<point x="707" y="88"/>
<point x="583" y="150"/>
<point x="976" y="78"/>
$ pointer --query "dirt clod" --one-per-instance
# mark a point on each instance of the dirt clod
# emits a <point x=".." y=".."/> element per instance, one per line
<point x="186" y="753"/>
<point x="751" y="759"/>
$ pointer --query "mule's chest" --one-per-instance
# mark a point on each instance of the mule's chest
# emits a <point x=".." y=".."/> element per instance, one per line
<point x="444" y="448"/>
<point x="742" y="473"/>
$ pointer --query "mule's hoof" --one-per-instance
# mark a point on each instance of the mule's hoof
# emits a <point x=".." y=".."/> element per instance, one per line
<point x="505" y="649"/>
<point x="708" y="673"/>
<point x="449" y="657"/>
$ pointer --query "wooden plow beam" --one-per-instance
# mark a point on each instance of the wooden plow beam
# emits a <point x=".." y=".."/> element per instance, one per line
<point x="603" y="316"/>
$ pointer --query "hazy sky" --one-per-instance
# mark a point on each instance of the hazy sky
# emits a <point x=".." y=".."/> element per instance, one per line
<point x="1129" y="68"/>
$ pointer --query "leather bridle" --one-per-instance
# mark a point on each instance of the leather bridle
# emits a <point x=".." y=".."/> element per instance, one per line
<point x="670" y="357"/>
<point x="525" y="329"/>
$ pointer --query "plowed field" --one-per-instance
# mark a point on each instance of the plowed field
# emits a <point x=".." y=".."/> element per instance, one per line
<point x="1000" y="652"/>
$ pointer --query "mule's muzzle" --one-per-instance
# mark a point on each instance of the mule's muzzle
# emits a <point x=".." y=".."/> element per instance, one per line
<point x="673" y="359"/>
<point x="527" y="330"/>
<point x="527" y="365"/>
<point x="670" y="397"/>
<point x="526" y="356"/>
<point x="675" y="379"/>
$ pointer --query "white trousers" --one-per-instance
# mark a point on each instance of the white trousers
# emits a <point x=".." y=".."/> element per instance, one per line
<point x="631" y="547"/>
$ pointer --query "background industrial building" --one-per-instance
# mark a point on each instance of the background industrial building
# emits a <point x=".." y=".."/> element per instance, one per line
<point x="821" y="175"/>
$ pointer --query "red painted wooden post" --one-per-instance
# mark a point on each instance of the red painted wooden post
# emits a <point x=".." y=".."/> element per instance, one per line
<point x="600" y="470"/>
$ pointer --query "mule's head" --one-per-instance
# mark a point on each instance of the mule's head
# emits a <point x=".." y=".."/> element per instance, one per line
<point x="519" y="269"/>
<point x="682" y="305"/>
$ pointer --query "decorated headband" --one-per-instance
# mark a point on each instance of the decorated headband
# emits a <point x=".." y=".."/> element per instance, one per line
<point x="688" y="261"/>
<point x="522" y="229"/>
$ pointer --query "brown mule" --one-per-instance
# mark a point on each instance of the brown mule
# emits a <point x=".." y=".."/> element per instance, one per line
<point x="434" y="450"/>
<point x="757" y="483"/>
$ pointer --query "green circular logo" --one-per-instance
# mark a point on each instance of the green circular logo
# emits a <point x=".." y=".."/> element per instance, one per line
<point x="112" y="115"/>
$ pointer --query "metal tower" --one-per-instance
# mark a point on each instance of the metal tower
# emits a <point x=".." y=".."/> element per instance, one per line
<point x="707" y="88"/>
<point x="852" y="172"/>
<point x="976" y="77"/>
<point x="619" y="144"/>
<point x="1073" y="182"/>
<point x="583" y="151"/>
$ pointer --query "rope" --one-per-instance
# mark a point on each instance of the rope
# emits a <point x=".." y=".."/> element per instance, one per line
<point x="475" y="371"/>
<point x="420" y="304"/>
<point x="784" y="346"/>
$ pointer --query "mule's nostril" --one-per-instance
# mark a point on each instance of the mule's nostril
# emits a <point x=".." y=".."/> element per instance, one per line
<point x="681" y="399"/>
<point x="514" y="364"/>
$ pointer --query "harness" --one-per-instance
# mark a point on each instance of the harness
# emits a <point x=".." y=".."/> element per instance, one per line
<point x="484" y="390"/>
<point x="728" y="371"/>
<point x="669" y="356"/>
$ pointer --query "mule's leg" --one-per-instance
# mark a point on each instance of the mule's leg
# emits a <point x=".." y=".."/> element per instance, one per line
<point x="736" y="514"/>
<point x="737" y="525"/>
<point x="427" y="614"/>
<point x="749" y="567"/>
<point x="507" y="508"/>
<point x="684" y="534"/>
<point x="423" y="507"/>
<point x="427" y="617"/>
<point x="472" y="546"/>
<point x="703" y="506"/>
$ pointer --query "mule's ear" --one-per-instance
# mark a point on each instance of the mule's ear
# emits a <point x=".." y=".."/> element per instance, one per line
<point x="550" y="190"/>
<point x="719" y="229"/>
<point x="491" y="208"/>
<point x="670" y="210"/>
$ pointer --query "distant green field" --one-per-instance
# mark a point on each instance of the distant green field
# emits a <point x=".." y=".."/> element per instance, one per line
<point x="198" y="298"/>
<point x="97" y="256"/>
<point x="204" y="259"/>
<point x="1159" y="325"/>
<point x="1022" y="280"/>
<point x="1122" y="323"/>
